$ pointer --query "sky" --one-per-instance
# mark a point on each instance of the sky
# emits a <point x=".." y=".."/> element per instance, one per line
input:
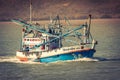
<point x="74" y="9"/>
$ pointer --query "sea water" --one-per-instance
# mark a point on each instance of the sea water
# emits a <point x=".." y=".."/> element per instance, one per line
<point x="104" y="66"/>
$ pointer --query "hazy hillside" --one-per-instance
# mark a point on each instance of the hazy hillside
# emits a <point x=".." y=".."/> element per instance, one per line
<point x="73" y="9"/>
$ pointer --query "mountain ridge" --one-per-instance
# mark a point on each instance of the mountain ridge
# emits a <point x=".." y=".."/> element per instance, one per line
<point x="73" y="9"/>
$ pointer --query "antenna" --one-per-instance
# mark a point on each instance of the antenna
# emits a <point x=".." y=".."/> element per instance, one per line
<point x="30" y="11"/>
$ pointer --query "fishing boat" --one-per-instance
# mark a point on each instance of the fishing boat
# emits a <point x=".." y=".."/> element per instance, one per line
<point x="45" y="44"/>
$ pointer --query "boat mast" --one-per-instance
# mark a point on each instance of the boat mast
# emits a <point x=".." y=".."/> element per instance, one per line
<point x="89" y="26"/>
<point x="30" y="11"/>
<point x="86" y="31"/>
<point x="60" y="30"/>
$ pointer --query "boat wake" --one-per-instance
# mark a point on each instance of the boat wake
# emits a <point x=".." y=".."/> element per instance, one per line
<point x="82" y="60"/>
<point x="87" y="59"/>
<point x="13" y="59"/>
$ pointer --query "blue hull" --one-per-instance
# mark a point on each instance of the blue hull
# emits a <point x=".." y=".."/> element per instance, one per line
<point x="68" y="56"/>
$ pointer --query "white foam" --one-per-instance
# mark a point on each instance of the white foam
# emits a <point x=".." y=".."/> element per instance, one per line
<point x="86" y="59"/>
<point x="15" y="60"/>
<point x="80" y="59"/>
